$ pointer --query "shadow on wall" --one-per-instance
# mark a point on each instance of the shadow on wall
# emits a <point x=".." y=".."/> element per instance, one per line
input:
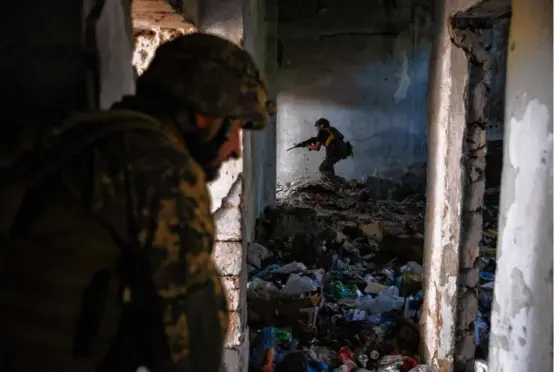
<point x="380" y="108"/>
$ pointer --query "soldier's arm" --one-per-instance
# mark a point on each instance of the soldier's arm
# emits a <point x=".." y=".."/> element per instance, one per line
<point x="179" y="249"/>
<point x="154" y="199"/>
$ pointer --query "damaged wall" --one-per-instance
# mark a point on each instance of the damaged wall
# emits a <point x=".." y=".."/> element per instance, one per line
<point x="521" y="334"/>
<point x="146" y="41"/>
<point x="495" y="126"/>
<point x="43" y="65"/>
<point x="240" y="193"/>
<point x="476" y="36"/>
<point x="254" y="142"/>
<point x="364" y="67"/>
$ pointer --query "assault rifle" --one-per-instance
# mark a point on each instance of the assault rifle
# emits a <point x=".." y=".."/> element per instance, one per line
<point x="305" y="143"/>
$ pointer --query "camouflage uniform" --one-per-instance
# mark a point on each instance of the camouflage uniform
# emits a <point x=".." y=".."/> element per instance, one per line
<point x="113" y="265"/>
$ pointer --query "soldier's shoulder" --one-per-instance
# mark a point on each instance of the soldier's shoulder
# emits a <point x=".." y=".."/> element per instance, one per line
<point x="128" y="135"/>
<point x="122" y="141"/>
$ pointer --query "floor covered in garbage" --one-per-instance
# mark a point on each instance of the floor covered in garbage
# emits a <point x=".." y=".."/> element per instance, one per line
<point x="335" y="280"/>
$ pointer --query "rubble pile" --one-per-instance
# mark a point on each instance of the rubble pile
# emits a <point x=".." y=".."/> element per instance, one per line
<point x="335" y="281"/>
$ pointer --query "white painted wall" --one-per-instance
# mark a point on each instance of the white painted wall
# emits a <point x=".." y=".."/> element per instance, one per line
<point x="521" y="334"/>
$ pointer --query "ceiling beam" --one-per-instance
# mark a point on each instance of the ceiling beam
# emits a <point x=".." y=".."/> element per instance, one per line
<point x="167" y="14"/>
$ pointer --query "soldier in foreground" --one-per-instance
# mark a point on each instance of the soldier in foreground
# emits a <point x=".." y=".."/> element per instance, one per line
<point x="106" y="227"/>
<point x="336" y="148"/>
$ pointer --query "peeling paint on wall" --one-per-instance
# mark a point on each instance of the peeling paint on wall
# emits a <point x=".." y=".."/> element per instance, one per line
<point x="517" y="303"/>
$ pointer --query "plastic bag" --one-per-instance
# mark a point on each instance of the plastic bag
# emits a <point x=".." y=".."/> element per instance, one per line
<point x="261" y="289"/>
<point x="298" y="285"/>
<point x="386" y="300"/>
<point x="413" y="268"/>
<point x="293" y="267"/>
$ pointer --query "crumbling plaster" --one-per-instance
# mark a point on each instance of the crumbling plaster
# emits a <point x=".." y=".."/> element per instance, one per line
<point x="364" y="67"/>
<point x="476" y="37"/>
<point x="447" y="112"/>
<point x="458" y="112"/>
<point x="146" y="41"/>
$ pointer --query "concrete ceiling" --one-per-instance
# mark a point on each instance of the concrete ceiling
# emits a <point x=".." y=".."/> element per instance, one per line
<point x="167" y="14"/>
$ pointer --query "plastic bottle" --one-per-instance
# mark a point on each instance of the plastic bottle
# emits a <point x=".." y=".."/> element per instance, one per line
<point x="346" y="358"/>
<point x="283" y="335"/>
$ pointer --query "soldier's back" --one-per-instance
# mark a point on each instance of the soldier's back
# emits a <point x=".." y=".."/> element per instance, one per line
<point x="63" y="278"/>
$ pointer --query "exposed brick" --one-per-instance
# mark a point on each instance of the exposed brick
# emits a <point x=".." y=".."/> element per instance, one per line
<point x="228" y="215"/>
<point x="235" y="335"/>
<point x="228" y="222"/>
<point x="231" y="284"/>
<point x="148" y="40"/>
<point x="467" y="305"/>
<point x="228" y="258"/>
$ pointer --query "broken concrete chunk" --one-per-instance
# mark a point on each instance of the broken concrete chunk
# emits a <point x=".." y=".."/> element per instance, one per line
<point x="374" y="231"/>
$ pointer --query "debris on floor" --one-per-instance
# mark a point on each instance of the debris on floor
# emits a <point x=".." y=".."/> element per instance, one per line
<point x="335" y="281"/>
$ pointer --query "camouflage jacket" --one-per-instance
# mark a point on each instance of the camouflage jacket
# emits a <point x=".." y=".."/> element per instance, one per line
<point x="116" y="261"/>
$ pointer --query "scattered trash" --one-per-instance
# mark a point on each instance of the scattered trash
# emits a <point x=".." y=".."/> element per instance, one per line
<point x="481" y="366"/>
<point x="337" y="282"/>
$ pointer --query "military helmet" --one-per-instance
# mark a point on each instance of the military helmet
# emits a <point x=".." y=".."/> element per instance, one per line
<point x="211" y="76"/>
<point x="322" y="121"/>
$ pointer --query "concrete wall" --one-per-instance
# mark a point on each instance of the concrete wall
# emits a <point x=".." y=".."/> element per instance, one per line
<point x="363" y="66"/>
<point x="240" y="193"/>
<point x="255" y="150"/>
<point x="521" y="322"/>
<point x="226" y="19"/>
<point x="45" y="64"/>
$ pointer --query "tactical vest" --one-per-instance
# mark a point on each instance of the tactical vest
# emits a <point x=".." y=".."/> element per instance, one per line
<point x="41" y="288"/>
<point x="335" y="134"/>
